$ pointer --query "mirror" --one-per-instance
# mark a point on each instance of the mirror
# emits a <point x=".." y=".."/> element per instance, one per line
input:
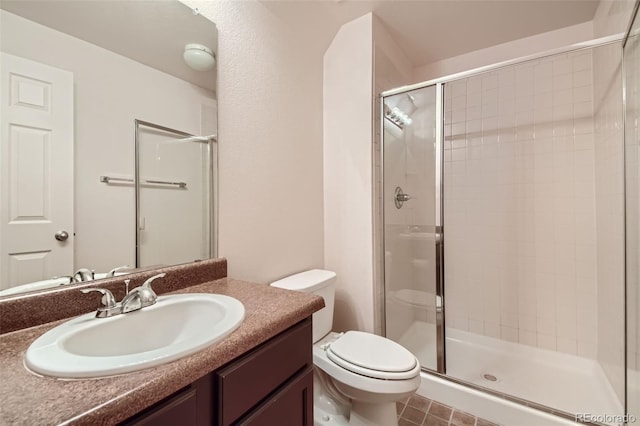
<point x="78" y="77"/>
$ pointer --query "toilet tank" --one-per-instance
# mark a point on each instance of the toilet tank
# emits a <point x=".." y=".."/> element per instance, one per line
<point x="322" y="283"/>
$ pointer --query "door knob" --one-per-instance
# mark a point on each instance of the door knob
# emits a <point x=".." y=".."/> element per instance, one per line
<point x="61" y="235"/>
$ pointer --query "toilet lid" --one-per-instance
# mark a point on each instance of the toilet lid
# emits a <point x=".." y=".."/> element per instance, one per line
<point x="373" y="356"/>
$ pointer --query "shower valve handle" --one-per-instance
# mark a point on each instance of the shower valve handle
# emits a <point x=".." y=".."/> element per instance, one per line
<point x="400" y="197"/>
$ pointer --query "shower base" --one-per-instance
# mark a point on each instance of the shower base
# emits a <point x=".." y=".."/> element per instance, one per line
<point x="560" y="381"/>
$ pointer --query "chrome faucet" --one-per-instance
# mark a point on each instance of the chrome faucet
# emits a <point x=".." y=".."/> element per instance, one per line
<point x="141" y="296"/>
<point x="108" y="306"/>
<point x="112" y="273"/>
<point x="134" y="300"/>
<point x="83" y="274"/>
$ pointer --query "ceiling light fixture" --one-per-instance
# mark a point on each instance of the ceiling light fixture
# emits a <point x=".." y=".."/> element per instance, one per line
<point x="199" y="57"/>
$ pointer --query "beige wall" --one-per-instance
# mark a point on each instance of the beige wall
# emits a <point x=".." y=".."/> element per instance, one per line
<point x="270" y="115"/>
<point x="612" y="17"/>
<point x="348" y="236"/>
<point x="506" y="51"/>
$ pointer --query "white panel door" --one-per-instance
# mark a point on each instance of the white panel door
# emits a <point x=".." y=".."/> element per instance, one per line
<point x="36" y="171"/>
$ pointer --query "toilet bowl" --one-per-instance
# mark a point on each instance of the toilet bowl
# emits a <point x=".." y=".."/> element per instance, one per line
<point x="358" y="376"/>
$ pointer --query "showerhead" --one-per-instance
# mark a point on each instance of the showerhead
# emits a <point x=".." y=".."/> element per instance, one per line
<point x="407" y="104"/>
<point x="400" y="113"/>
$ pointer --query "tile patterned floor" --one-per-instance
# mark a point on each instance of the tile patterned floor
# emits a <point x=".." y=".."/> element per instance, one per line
<point x="420" y="411"/>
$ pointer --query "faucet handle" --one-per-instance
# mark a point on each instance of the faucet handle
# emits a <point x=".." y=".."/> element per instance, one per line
<point x="108" y="301"/>
<point x="112" y="273"/>
<point x="147" y="283"/>
<point x="83" y="274"/>
<point x="140" y="297"/>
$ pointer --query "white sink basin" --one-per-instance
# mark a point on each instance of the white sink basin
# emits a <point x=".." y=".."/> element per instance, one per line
<point x="37" y="285"/>
<point x="174" y="327"/>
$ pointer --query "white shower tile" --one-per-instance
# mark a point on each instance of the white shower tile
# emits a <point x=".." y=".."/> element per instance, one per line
<point x="458" y="102"/>
<point x="476" y="326"/>
<point x="582" y="78"/>
<point x="583" y="126"/>
<point x="522" y="104"/>
<point x="562" y="65"/>
<point x="585" y="141"/>
<point x="528" y="323"/>
<point x="474" y="85"/>
<point x="562" y="82"/>
<point x="587" y="349"/>
<point x="527" y="337"/>
<point x="547" y="341"/>
<point x="567" y="322"/>
<point x="563" y="97"/>
<point x="458" y="88"/>
<point x="525" y="89"/>
<point x="509" y="334"/>
<point x="543" y="100"/>
<point x="528" y="173"/>
<point x="492" y="329"/>
<point x="582" y="61"/>
<point x="474" y="112"/>
<point x="459" y="115"/>
<point x="489" y="81"/>
<point x="458" y="129"/>
<point x="583" y="94"/>
<point x="474" y="99"/>
<point x="568" y="346"/>
<point x="474" y="127"/>
<point x="507" y="77"/>
<point x="489" y="110"/>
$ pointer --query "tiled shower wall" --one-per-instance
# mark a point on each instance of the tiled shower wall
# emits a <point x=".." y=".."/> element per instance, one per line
<point x="520" y="251"/>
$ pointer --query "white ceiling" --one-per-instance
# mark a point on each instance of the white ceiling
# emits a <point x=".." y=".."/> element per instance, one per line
<point x="151" y="32"/>
<point x="155" y="32"/>
<point x="431" y="30"/>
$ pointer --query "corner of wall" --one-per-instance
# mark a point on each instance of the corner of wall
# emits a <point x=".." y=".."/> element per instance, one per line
<point x="347" y="125"/>
<point x="612" y="17"/>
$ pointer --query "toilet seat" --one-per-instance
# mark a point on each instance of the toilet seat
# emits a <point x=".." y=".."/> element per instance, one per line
<point x="373" y="356"/>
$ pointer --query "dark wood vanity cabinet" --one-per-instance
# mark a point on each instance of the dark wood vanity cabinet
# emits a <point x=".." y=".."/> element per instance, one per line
<point x="269" y="385"/>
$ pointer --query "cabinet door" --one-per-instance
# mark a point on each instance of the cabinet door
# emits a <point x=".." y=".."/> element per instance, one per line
<point x="188" y="407"/>
<point x="292" y="406"/>
<point x="179" y="409"/>
<point x="244" y="383"/>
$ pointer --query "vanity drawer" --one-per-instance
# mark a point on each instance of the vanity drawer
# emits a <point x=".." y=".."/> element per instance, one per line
<point x="247" y="381"/>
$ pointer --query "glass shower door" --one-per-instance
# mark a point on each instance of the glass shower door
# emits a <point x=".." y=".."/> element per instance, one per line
<point x="173" y="174"/>
<point x="412" y="222"/>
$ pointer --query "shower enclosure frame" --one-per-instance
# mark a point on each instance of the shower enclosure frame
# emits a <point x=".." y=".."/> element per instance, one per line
<point x="380" y="285"/>
<point x="211" y="141"/>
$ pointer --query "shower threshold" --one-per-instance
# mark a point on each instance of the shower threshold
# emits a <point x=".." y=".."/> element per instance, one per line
<point x="559" y="381"/>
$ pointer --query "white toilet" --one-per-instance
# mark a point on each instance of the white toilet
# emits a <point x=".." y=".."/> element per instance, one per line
<point x="358" y="376"/>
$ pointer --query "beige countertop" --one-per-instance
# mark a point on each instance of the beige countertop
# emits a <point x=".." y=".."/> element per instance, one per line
<point x="28" y="399"/>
